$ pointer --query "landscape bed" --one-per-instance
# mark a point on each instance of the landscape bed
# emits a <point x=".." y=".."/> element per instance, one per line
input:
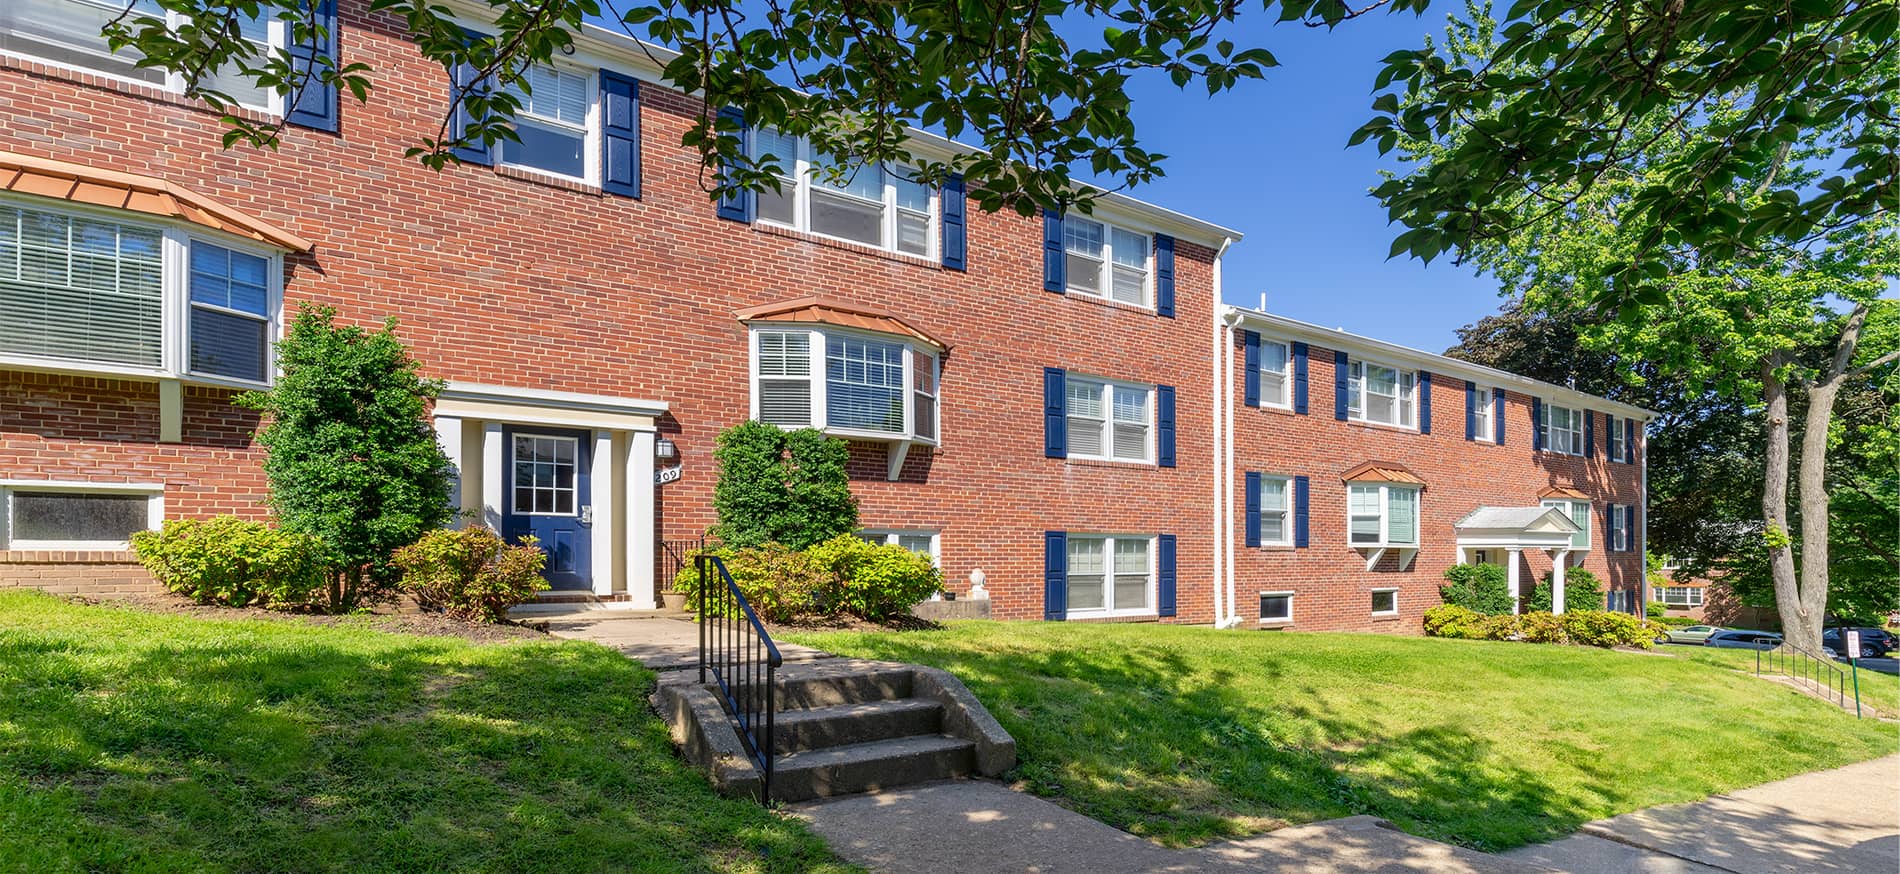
<point x="135" y="741"/>
<point x="1186" y="735"/>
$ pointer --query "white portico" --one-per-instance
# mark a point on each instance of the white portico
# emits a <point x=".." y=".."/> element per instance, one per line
<point x="574" y="470"/>
<point x="1490" y="535"/>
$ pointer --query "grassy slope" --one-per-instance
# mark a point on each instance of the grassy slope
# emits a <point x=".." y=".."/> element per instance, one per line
<point x="1186" y="734"/>
<point x="1879" y="693"/>
<point x="139" y="742"/>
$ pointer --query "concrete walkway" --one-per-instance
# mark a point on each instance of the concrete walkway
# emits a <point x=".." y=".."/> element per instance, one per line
<point x="1847" y="819"/>
<point x="660" y="641"/>
<point x="981" y="827"/>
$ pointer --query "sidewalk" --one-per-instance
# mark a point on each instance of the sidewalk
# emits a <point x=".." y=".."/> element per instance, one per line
<point x="1847" y="819"/>
<point x="660" y="642"/>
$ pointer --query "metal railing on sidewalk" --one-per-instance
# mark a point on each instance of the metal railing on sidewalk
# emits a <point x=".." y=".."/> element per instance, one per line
<point x="736" y="651"/>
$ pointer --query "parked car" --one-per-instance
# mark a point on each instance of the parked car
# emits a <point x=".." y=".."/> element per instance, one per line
<point x="1691" y="633"/>
<point x="1874" y="642"/>
<point x="1743" y="640"/>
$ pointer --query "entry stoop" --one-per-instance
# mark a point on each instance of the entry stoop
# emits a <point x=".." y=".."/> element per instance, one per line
<point x="843" y="726"/>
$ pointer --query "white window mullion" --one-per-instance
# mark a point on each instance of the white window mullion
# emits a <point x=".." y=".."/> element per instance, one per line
<point x="820" y="373"/>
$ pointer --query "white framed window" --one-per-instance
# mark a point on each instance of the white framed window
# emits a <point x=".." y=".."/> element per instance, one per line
<point x="1111" y="421"/>
<point x="555" y="124"/>
<point x="91" y="291"/>
<point x="1381" y="394"/>
<point x="1276" y="608"/>
<point x="1671" y="563"/>
<point x="545" y="472"/>
<point x="1382" y="514"/>
<point x="1484" y="417"/>
<point x="855" y="384"/>
<point x="1385" y="602"/>
<point x="917" y="541"/>
<point x="1622" y="519"/>
<point x="1563" y="429"/>
<point x="70" y="34"/>
<point x="873" y="206"/>
<point x="1103" y="260"/>
<point x="1578" y="512"/>
<point x="1111" y="575"/>
<point x="1276" y="528"/>
<point x="1679" y="596"/>
<point x="77" y="515"/>
<point x="1276" y="375"/>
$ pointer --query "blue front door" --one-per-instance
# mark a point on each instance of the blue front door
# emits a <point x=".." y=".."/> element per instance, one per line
<point x="549" y="497"/>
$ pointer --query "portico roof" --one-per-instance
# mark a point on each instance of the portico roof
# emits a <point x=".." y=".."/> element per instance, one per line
<point x="1523" y="519"/>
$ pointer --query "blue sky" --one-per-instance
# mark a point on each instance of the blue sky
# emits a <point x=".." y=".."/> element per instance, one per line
<point x="1269" y="159"/>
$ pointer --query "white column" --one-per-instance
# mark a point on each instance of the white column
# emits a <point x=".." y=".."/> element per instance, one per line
<point x="1511" y="575"/>
<point x="1557" y="582"/>
<point x="448" y="435"/>
<point x="640" y="523"/>
<point x="603" y="531"/>
<point x="493" y="477"/>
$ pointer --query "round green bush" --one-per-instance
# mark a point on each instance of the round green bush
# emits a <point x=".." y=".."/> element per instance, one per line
<point x="235" y="562"/>
<point x="1583" y="591"/>
<point x="1481" y="588"/>
<point x="471" y="573"/>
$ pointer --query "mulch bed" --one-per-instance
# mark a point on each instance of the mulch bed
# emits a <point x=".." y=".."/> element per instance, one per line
<point x="852" y="623"/>
<point x="401" y="617"/>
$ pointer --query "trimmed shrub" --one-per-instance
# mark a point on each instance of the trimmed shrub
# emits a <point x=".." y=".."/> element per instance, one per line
<point x="875" y="581"/>
<point x="1583" y="592"/>
<point x="471" y="573"/>
<point x="1656" y="610"/>
<point x="1482" y="588"/>
<point x="781" y="584"/>
<point x="1451" y="620"/>
<point x="780" y="487"/>
<point x="1541" y="627"/>
<point x="1600" y="628"/>
<point x="235" y="562"/>
<point x="1675" y="621"/>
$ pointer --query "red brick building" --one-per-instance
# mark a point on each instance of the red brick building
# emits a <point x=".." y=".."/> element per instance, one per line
<point x="1033" y="401"/>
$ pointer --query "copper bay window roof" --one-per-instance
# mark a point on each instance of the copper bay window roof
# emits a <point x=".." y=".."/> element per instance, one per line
<point x="820" y="309"/>
<point x="78" y="183"/>
<point x="1382" y="472"/>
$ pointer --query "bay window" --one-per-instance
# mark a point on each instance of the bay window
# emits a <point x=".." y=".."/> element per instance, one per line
<point x="1106" y="261"/>
<point x="70" y="34"/>
<point x="1381" y="394"/>
<point x="1578" y="512"/>
<point x="553" y="123"/>
<point x="1109" y="420"/>
<point x="855" y="384"/>
<point x="874" y="205"/>
<point x="1380" y="514"/>
<point x="92" y="294"/>
<point x="1111" y="574"/>
<point x="1563" y="429"/>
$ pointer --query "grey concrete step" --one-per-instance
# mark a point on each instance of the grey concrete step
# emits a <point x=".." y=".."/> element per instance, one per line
<point x="868" y="767"/>
<point x="841" y="724"/>
<point x="840" y="681"/>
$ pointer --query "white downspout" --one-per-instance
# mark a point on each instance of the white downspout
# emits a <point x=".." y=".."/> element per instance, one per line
<point x="1227" y="448"/>
<point x="1221" y="547"/>
<point x="1642" y="589"/>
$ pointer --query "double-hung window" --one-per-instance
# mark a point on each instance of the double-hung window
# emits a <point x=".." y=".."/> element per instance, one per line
<point x="1382" y="514"/>
<point x="1381" y="394"/>
<point x="871" y="205"/>
<point x="1622" y="519"/>
<point x="1578" y="512"/>
<point x="1563" y="429"/>
<point x="1276" y="382"/>
<point x="1679" y="596"/>
<point x="923" y="543"/>
<point x="94" y="293"/>
<point x="1111" y="575"/>
<point x="1274" y="516"/>
<point x="1109" y="420"/>
<point x="70" y="34"/>
<point x="1616" y="447"/>
<point x="553" y="123"/>
<point x="1483" y="411"/>
<point x="845" y="382"/>
<point x="1106" y="261"/>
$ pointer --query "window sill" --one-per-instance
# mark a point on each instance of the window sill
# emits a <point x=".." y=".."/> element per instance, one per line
<point x="1402" y="429"/>
<point x="1109" y="303"/>
<point x="1132" y="616"/>
<point x="775" y="230"/>
<point x="1275" y="623"/>
<point x="550" y="180"/>
<point x="156" y="93"/>
<point x="1385" y="617"/>
<point x="1108" y="462"/>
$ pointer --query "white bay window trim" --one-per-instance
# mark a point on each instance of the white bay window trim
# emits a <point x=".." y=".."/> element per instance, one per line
<point x="153" y="493"/>
<point x="1394" y="500"/>
<point x="1577" y="512"/>
<point x="784" y="372"/>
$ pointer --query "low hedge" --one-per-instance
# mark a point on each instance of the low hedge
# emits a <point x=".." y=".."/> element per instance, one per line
<point x="234" y="562"/>
<point x="1583" y="627"/>
<point x="1484" y="588"/>
<point x="471" y="573"/>
<point x="841" y="576"/>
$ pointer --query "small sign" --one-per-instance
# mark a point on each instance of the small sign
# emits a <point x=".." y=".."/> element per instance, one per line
<point x="1853" y="644"/>
<point x="668" y="474"/>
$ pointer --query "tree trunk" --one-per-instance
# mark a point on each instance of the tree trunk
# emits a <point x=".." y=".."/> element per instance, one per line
<point x="1774" y="496"/>
<point x="1815" y="515"/>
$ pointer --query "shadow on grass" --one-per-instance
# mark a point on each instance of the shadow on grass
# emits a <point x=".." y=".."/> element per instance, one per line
<point x="175" y="744"/>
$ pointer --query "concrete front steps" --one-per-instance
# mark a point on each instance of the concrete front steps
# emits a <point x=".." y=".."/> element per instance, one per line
<point x="843" y="727"/>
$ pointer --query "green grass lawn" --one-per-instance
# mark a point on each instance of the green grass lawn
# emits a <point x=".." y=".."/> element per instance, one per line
<point x="1186" y="735"/>
<point x="139" y="742"/>
<point x="1879" y="693"/>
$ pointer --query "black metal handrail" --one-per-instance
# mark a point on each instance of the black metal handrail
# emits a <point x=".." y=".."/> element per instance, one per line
<point x="736" y="651"/>
<point x="1818" y="673"/>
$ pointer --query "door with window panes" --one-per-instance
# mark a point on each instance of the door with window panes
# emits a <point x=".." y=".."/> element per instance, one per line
<point x="548" y="496"/>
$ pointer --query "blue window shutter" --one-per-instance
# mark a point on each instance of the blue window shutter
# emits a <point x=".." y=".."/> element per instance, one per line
<point x="1250" y="341"/>
<point x="955" y="206"/>
<point x="1054" y="274"/>
<point x="1537" y="424"/>
<point x="1299" y="378"/>
<point x="1629" y="440"/>
<point x="1609" y="437"/>
<point x="1164" y="425"/>
<point x="1424" y="402"/>
<point x="1164" y="574"/>
<point x="1302" y="489"/>
<point x="1497" y="415"/>
<point x="736" y="206"/>
<point x="1609" y="527"/>
<point x="1164" y="275"/>
<point x="619" y="134"/>
<point x="1055" y="414"/>
<point x="1589" y="434"/>
<point x="1253" y="508"/>
<point x="315" y="104"/>
<point x="463" y="81"/>
<point x="1341" y="366"/>
<point x="1471" y="410"/>
<point x="1055" y="575"/>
